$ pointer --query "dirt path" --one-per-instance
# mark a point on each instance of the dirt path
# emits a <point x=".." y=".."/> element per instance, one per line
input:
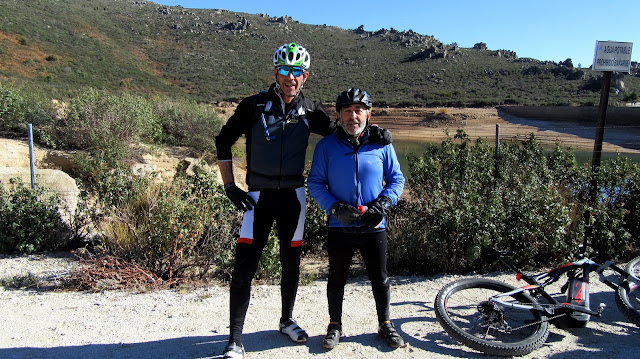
<point x="193" y="323"/>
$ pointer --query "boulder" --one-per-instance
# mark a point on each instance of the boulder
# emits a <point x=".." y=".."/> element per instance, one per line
<point x="15" y="153"/>
<point x="55" y="181"/>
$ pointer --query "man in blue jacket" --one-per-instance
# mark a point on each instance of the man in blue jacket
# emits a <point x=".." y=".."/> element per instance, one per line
<point x="356" y="182"/>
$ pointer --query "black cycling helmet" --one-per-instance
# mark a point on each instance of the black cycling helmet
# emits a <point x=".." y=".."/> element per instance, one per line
<point x="352" y="96"/>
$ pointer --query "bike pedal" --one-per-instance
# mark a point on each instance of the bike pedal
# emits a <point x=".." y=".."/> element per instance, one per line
<point x="601" y="307"/>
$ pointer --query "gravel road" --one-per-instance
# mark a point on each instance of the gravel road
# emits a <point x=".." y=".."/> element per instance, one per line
<point x="193" y="324"/>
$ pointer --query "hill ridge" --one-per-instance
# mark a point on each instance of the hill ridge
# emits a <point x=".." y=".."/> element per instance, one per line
<point x="214" y="55"/>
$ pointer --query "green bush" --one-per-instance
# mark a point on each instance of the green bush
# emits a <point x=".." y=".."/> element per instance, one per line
<point x="106" y="124"/>
<point x="631" y="97"/>
<point x="616" y="212"/>
<point x="269" y="267"/>
<point x="538" y="203"/>
<point x="30" y="221"/>
<point x="19" y="108"/>
<point x="181" y="229"/>
<point x="12" y="109"/>
<point x="530" y="201"/>
<point x="188" y="124"/>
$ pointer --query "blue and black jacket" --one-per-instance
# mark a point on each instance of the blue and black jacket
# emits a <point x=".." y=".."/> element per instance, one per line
<point x="353" y="173"/>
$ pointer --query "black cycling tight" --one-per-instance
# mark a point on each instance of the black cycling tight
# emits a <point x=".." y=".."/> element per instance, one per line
<point x="341" y="247"/>
<point x="283" y="207"/>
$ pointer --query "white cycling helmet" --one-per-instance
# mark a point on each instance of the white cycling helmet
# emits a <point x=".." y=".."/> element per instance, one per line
<point x="292" y="55"/>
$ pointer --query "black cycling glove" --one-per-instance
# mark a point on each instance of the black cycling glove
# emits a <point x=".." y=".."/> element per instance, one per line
<point x="344" y="213"/>
<point x="377" y="209"/>
<point x="240" y="198"/>
<point x="379" y="135"/>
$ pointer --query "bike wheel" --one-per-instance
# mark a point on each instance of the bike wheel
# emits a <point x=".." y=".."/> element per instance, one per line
<point x="518" y="332"/>
<point x="628" y="301"/>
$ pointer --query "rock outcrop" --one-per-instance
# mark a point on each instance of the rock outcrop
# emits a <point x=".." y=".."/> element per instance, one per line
<point x="15" y="163"/>
<point x="52" y="168"/>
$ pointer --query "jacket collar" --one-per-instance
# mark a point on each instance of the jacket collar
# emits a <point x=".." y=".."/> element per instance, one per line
<point x="361" y="140"/>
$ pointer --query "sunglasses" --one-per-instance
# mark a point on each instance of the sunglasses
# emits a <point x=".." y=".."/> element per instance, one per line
<point x="286" y="70"/>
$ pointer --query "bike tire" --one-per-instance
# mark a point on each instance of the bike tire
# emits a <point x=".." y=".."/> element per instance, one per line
<point x="456" y="308"/>
<point x="628" y="301"/>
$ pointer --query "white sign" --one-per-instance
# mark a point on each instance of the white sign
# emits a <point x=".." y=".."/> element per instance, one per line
<point x="612" y="56"/>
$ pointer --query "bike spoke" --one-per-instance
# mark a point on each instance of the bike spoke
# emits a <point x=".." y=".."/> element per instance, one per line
<point x="471" y="313"/>
<point x="504" y="325"/>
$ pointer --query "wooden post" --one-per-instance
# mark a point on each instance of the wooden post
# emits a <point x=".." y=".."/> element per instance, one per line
<point x="597" y="145"/>
<point x="602" y="116"/>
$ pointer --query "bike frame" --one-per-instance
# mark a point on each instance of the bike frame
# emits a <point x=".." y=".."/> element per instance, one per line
<point x="537" y="283"/>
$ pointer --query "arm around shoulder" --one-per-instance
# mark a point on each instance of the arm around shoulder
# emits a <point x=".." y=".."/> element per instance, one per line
<point x="319" y="121"/>
<point x="317" y="182"/>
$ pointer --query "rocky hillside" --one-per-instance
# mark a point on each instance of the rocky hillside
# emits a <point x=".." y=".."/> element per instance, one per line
<point x="214" y="55"/>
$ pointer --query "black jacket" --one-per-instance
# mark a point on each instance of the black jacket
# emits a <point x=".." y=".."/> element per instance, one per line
<point x="275" y="147"/>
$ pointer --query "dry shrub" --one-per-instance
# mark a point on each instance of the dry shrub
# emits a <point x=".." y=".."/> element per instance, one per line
<point x="178" y="230"/>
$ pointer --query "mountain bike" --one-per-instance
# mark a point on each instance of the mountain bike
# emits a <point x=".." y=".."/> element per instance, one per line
<point x="499" y="319"/>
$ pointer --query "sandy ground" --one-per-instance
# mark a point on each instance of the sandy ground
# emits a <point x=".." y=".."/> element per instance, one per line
<point x="193" y="324"/>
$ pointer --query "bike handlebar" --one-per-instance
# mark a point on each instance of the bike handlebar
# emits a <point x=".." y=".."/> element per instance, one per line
<point x="490" y="253"/>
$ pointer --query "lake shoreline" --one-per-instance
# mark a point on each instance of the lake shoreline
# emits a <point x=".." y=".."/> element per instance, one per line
<point x="433" y="124"/>
<point x="616" y="115"/>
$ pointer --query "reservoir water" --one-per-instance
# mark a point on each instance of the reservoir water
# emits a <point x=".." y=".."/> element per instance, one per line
<point x="624" y="136"/>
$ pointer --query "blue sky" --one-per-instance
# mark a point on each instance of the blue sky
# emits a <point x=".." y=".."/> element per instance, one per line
<point x="543" y="30"/>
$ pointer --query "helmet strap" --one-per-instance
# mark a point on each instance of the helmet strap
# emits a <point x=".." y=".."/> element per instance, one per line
<point x="279" y="91"/>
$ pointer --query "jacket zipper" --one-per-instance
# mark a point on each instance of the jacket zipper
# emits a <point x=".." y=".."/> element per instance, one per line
<point x="357" y="178"/>
<point x="284" y="121"/>
<point x="357" y="160"/>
